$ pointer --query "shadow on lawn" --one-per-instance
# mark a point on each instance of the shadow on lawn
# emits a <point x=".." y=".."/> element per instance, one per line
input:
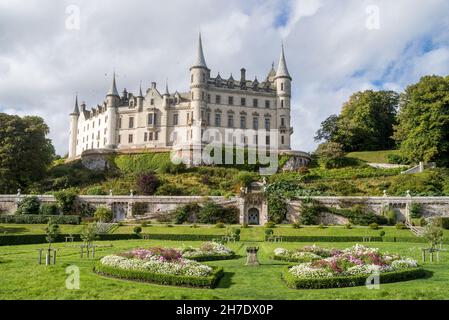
<point x="226" y="281"/>
<point x="12" y="230"/>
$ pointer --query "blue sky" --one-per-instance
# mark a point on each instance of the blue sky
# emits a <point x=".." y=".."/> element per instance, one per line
<point x="331" y="53"/>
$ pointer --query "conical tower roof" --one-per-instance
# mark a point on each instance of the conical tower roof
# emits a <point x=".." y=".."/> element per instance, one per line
<point x="113" y="90"/>
<point x="282" y="68"/>
<point x="200" y="61"/>
<point x="76" y="111"/>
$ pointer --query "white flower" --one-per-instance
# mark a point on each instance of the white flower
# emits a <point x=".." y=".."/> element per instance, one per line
<point x="304" y="270"/>
<point x="406" y="263"/>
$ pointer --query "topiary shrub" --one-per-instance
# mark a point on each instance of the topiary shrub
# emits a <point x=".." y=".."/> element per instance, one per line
<point x="187" y="213"/>
<point x="49" y="209"/>
<point x="220" y="225"/>
<point x="147" y="183"/>
<point x="29" y="205"/>
<point x="400" y="226"/>
<point x="103" y="214"/>
<point x="137" y="230"/>
<point x="270" y="224"/>
<point x="348" y="226"/>
<point x="296" y="225"/>
<point x="374" y="226"/>
<point x="382" y="233"/>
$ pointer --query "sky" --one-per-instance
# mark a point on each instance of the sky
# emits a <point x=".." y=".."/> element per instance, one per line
<point x="51" y="49"/>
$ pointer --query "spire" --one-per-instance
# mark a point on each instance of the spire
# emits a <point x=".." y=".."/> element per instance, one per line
<point x="167" y="93"/>
<point x="140" y="90"/>
<point x="113" y="90"/>
<point x="200" y="61"/>
<point x="77" y="110"/>
<point x="282" y="68"/>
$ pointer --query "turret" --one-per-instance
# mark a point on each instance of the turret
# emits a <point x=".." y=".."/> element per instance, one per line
<point x="166" y="97"/>
<point x="283" y="82"/>
<point x="112" y="102"/>
<point x="199" y="75"/>
<point x="74" y="117"/>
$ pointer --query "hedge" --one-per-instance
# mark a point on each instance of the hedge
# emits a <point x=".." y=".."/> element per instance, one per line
<point x="327" y="239"/>
<point x="164" y="279"/>
<point x="214" y="257"/>
<point x="350" y="281"/>
<point x="6" y="240"/>
<point x="39" y="219"/>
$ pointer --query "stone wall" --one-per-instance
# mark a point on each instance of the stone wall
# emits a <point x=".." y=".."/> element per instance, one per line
<point x="252" y="202"/>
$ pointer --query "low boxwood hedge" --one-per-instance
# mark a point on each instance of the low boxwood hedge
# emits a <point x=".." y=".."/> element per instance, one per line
<point x="350" y="281"/>
<point x="164" y="279"/>
<point x="214" y="257"/>
<point x="39" y="219"/>
<point x="327" y="239"/>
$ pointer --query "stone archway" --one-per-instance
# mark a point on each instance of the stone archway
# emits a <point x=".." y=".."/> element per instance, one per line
<point x="253" y="216"/>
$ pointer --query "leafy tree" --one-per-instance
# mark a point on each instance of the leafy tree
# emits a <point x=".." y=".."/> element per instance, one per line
<point x="328" y="129"/>
<point x="277" y="208"/>
<point x="433" y="233"/>
<point x="29" y="205"/>
<point x="25" y="152"/>
<point x="330" y="155"/>
<point x="66" y="200"/>
<point x="52" y="232"/>
<point x="423" y="121"/>
<point x="365" y="123"/>
<point x="89" y="233"/>
<point x="103" y="214"/>
<point x="147" y="183"/>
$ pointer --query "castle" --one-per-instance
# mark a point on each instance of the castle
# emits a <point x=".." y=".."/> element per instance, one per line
<point x="157" y="120"/>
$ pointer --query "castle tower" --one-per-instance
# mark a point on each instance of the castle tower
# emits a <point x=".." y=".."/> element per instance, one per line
<point x="112" y="102"/>
<point x="283" y="91"/>
<point x="74" y="117"/>
<point x="140" y="98"/>
<point x="199" y="74"/>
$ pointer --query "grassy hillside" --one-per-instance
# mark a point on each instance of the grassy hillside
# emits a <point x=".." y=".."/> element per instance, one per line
<point x="373" y="156"/>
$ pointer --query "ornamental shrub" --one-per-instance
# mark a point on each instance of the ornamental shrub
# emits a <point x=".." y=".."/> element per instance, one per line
<point x="137" y="230"/>
<point x="220" y="225"/>
<point x="49" y="209"/>
<point x="147" y="183"/>
<point x="66" y="200"/>
<point x="374" y="226"/>
<point x="382" y="233"/>
<point x="400" y="226"/>
<point x="29" y="205"/>
<point x="415" y="211"/>
<point x="391" y="217"/>
<point x="270" y="224"/>
<point x="103" y="214"/>
<point x="277" y="208"/>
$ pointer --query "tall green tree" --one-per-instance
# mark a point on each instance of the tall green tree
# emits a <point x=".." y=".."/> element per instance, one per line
<point x="365" y="123"/>
<point x="423" y="121"/>
<point x="25" y="151"/>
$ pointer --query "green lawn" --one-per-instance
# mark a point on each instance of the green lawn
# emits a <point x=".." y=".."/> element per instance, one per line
<point x="372" y="156"/>
<point x="247" y="234"/>
<point x="22" y="278"/>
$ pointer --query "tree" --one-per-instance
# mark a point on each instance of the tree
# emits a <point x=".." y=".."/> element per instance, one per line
<point x="423" y="121"/>
<point x="433" y="233"/>
<point x="330" y="155"/>
<point x="89" y="233"/>
<point x="52" y="232"/>
<point x="25" y="152"/>
<point x="365" y="123"/>
<point x="328" y="129"/>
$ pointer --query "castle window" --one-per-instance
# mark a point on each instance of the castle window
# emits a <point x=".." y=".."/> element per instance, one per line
<point x="156" y="136"/>
<point x="231" y="101"/>
<point x="130" y="138"/>
<point x="151" y="119"/>
<point x="119" y="140"/>
<point x="131" y="122"/>
<point x="256" y="123"/>
<point x="208" y="98"/>
<point x="202" y="96"/>
<point x="282" y="140"/>
<point x="119" y="125"/>
<point x="230" y="121"/>
<point x="282" y="103"/>
<point x="256" y="139"/>
<point x="191" y="78"/>
<point x="267" y="104"/>
<point x="104" y="141"/>
<point x="93" y="124"/>
<point x="267" y="124"/>
<point x="267" y="140"/>
<point x="282" y="86"/>
<point x="218" y="99"/>
<point x="282" y="121"/>
<point x="255" y="103"/>
<point x="99" y="121"/>
<point x="145" y="136"/>
<point x="151" y="136"/>
<point x="152" y="102"/>
<point x="175" y="119"/>
<point x="204" y="78"/>
<point x="242" y="122"/>
<point x="208" y="118"/>
<point x="243" y="102"/>
<point x="218" y="120"/>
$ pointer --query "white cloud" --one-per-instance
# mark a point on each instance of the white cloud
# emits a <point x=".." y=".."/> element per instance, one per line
<point x="330" y="52"/>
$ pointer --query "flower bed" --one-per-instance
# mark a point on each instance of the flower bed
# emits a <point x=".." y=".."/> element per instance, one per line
<point x="330" y="268"/>
<point x="159" y="265"/>
<point x="208" y="251"/>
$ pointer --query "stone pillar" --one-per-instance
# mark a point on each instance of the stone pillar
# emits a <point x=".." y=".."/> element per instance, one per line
<point x="264" y="213"/>
<point x="243" y="219"/>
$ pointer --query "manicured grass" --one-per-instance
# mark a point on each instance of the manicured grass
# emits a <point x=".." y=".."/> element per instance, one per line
<point x="247" y="234"/>
<point x="373" y="156"/>
<point x="22" y="278"/>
